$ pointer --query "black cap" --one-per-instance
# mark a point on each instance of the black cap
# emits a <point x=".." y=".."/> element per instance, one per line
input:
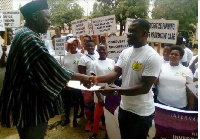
<point x="33" y="7"/>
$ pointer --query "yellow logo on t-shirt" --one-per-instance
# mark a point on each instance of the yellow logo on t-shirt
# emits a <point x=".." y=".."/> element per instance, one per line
<point x="137" y="66"/>
<point x="182" y="74"/>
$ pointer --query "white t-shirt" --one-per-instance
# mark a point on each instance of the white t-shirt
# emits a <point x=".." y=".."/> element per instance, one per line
<point x="163" y="60"/>
<point x="184" y="59"/>
<point x="196" y="73"/>
<point x="171" y="86"/>
<point x="101" y="67"/>
<point x="58" y="58"/>
<point x="189" y="55"/>
<point x="71" y="61"/>
<point x="135" y="63"/>
<point x="86" y="60"/>
<point x="193" y="58"/>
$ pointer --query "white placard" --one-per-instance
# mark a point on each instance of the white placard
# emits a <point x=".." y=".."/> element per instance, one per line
<point x="80" y="27"/>
<point x="103" y="25"/>
<point x="77" y="85"/>
<point x="128" y="23"/>
<point x="163" y="31"/>
<point x="11" y="18"/>
<point x="59" y="46"/>
<point x="2" y="27"/>
<point x="115" y="45"/>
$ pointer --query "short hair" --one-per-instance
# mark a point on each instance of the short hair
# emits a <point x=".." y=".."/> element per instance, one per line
<point x="88" y="37"/>
<point x="168" y="45"/>
<point x="143" y="24"/>
<point x="88" y="41"/>
<point x="178" y="48"/>
<point x="58" y="27"/>
<point x="101" y="45"/>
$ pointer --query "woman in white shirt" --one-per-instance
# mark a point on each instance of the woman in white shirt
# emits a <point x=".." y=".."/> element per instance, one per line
<point x="71" y="60"/>
<point x="172" y="81"/>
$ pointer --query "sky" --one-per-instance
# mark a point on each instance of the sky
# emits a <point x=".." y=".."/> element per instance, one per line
<point x="86" y="4"/>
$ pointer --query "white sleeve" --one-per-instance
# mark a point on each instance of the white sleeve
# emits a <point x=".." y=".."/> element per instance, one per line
<point x="196" y="73"/>
<point x="152" y="66"/>
<point x="184" y="59"/>
<point x="120" y="62"/>
<point x="189" y="76"/>
<point x="82" y="61"/>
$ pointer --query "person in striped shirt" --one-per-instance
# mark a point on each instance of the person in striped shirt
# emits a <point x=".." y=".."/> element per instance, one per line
<point x="34" y="79"/>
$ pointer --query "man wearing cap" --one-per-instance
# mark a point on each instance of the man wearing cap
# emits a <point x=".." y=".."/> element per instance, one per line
<point x="33" y="79"/>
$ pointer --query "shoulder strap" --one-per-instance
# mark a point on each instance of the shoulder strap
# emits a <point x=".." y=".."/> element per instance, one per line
<point x="90" y="57"/>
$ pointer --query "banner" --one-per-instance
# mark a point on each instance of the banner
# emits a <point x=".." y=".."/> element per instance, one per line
<point x="128" y="23"/>
<point x="103" y="25"/>
<point x="80" y="27"/>
<point x="169" y="122"/>
<point x="162" y="31"/>
<point x="11" y="18"/>
<point x="2" y="27"/>
<point x="60" y="46"/>
<point x="115" y="45"/>
<point x="173" y="123"/>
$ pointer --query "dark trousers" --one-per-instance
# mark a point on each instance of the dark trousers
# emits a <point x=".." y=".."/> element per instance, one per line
<point x="133" y="126"/>
<point x="71" y="98"/>
<point x="32" y="132"/>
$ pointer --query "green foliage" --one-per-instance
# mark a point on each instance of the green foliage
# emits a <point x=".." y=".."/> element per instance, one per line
<point x="122" y="9"/>
<point x="64" y="11"/>
<point x="186" y="11"/>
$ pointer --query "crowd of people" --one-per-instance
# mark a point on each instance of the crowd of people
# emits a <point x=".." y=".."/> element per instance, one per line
<point x="35" y="84"/>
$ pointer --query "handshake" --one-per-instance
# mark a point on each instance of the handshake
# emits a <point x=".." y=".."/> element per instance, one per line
<point x="89" y="81"/>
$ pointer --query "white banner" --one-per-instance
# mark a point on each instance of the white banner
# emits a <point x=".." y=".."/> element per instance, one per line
<point x="115" y="45"/>
<point x="162" y="31"/>
<point x="103" y="25"/>
<point x="80" y="27"/>
<point x="2" y="27"/>
<point x="128" y="23"/>
<point x="11" y="18"/>
<point x="59" y="46"/>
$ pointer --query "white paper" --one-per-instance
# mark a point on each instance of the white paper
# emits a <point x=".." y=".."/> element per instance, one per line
<point x="77" y="85"/>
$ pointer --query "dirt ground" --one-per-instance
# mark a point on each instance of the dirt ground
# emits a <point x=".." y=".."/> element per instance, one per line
<point x="56" y="131"/>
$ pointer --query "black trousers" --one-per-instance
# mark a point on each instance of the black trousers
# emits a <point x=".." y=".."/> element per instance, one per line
<point x="33" y="132"/>
<point x="133" y="126"/>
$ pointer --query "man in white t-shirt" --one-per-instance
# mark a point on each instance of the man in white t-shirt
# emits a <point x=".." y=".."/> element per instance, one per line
<point x="139" y="66"/>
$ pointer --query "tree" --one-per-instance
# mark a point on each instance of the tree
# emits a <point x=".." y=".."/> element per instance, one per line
<point x="186" y="11"/>
<point x="64" y="11"/>
<point x="122" y="9"/>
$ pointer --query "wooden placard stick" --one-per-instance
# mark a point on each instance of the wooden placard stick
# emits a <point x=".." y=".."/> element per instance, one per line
<point x="152" y="44"/>
<point x="5" y="37"/>
<point x="82" y="44"/>
<point x="158" y="48"/>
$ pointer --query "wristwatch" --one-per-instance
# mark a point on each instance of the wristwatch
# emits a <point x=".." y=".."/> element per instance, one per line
<point x="115" y="92"/>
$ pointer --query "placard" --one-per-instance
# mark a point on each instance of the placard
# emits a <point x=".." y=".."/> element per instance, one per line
<point x="80" y="27"/>
<point x="2" y="27"/>
<point x="128" y="23"/>
<point x="103" y="25"/>
<point x="162" y="31"/>
<point x="59" y="46"/>
<point x="11" y="18"/>
<point x="115" y="45"/>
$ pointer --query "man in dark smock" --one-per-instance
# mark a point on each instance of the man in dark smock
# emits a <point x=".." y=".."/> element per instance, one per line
<point x="33" y="79"/>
